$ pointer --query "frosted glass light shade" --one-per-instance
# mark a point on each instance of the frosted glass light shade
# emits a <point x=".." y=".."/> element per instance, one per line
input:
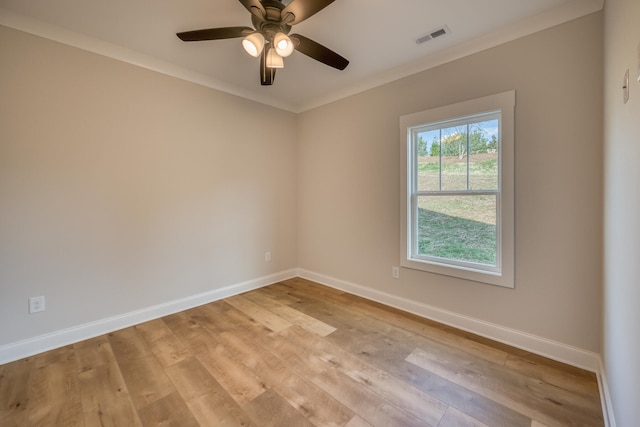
<point x="283" y="44"/>
<point x="253" y="44"/>
<point x="274" y="60"/>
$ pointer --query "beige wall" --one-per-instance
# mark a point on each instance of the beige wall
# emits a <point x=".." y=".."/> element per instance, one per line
<point x="622" y="215"/>
<point x="349" y="223"/>
<point x="122" y="188"/>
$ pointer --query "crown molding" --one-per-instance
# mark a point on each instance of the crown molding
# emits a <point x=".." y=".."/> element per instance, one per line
<point x="110" y="50"/>
<point x="569" y="11"/>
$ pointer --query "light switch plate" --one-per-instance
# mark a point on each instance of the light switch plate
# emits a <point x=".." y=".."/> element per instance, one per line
<point x="639" y="62"/>
<point x="625" y="87"/>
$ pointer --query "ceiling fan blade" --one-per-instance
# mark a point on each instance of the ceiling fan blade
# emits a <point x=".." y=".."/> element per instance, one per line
<point x="267" y="75"/>
<point x="318" y="52"/>
<point x="214" y="34"/>
<point x="255" y="7"/>
<point x="302" y="9"/>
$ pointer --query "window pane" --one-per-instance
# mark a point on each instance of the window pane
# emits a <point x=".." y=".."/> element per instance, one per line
<point x="460" y="227"/>
<point x="428" y="147"/>
<point x="454" y="158"/>
<point x="483" y="157"/>
<point x="454" y="173"/>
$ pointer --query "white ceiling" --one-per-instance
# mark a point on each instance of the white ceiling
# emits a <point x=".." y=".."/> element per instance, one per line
<point x="377" y="36"/>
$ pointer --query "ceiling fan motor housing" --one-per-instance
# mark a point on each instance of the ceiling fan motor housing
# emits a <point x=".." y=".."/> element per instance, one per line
<point x="272" y="22"/>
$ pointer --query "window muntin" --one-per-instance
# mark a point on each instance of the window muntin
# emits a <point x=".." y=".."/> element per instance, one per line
<point x="458" y="181"/>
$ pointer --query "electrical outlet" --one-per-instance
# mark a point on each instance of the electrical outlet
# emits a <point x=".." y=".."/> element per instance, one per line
<point x="267" y="256"/>
<point x="395" y="272"/>
<point x="36" y="304"/>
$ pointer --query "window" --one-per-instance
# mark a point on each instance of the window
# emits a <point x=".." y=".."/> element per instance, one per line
<point x="457" y="190"/>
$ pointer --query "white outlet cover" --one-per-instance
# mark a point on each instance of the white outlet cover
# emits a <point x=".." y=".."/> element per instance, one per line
<point x="36" y="304"/>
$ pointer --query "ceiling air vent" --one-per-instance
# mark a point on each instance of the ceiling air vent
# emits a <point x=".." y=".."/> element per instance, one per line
<point x="433" y="34"/>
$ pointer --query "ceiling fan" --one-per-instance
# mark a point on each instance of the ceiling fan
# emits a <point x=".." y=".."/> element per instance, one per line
<point x="270" y="40"/>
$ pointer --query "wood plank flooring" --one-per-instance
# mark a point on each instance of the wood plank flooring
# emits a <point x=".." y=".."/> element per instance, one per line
<point x="294" y="354"/>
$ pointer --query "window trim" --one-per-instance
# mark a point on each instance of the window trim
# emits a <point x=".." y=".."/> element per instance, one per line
<point x="504" y="272"/>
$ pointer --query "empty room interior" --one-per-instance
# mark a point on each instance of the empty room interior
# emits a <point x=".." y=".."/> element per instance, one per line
<point x="375" y="214"/>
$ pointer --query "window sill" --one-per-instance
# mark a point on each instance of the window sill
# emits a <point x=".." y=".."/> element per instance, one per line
<point x="461" y="272"/>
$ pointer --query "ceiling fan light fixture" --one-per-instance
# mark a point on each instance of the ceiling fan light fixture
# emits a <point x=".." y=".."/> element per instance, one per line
<point x="283" y="44"/>
<point x="274" y="60"/>
<point x="253" y="44"/>
<point x="268" y="39"/>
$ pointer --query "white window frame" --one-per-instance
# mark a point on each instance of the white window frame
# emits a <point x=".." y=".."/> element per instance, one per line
<point x="503" y="274"/>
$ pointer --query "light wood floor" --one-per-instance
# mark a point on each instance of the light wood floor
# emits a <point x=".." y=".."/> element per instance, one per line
<point x="294" y="354"/>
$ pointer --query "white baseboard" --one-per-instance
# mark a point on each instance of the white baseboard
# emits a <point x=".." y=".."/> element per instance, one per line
<point x="605" y="396"/>
<point x="552" y="349"/>
<point x="544" y="347"/>
<point x="538" y="345"/>
<point x="39" y="344"/>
